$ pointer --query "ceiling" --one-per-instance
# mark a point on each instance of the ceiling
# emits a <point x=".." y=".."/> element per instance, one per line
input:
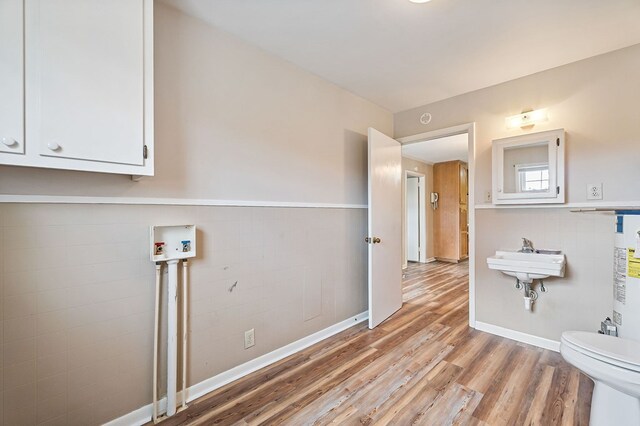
<point x="438" y="150"/>
<point x="402" y="55"/>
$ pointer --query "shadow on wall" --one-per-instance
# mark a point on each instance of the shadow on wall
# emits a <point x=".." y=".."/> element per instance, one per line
<point x="355" y="165"/>
<point x="36" y="181"/>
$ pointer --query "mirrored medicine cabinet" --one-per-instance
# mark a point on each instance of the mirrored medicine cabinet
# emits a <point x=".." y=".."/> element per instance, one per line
<point x="529" y="169"/>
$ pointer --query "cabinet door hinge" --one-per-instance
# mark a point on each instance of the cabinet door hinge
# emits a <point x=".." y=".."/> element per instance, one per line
<point x="557" y="190"/>
<point x="557" y="141"/>
<point x="144" y="152"/>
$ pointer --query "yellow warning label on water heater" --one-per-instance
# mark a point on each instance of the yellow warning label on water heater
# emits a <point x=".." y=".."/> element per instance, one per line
<point x="633" y="264"/>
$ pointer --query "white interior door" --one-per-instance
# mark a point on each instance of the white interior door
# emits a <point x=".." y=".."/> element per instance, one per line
<point x="385" y="227"/>
<point x="413" y="219"/>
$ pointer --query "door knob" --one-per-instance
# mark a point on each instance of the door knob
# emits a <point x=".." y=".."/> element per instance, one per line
<point x="376" y="240"/>
<point x="369" y="240"/>
<point x="53" y="146"/>
<point x="8" y="141"/>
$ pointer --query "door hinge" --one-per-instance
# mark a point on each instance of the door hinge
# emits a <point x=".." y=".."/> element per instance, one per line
<point x="557" y="141"/>
<point x="145" y="151"/>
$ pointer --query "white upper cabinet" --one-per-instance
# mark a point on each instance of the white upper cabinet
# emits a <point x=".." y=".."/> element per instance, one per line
<point x="88" y="85"/>
<point x="85" y="79"/>
<point x="11" y="77"/>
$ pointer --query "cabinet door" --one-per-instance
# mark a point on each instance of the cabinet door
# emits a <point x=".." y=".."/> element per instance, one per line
<point x="464" y="245"/>
<point x="446" y="182"/>
<point x="85" y="79"/>
<point x="11" y="77"/>
<point x="464" y="183"/>
<point x="464" y="231"/>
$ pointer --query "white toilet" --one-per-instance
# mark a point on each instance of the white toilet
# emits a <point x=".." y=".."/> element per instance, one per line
<point x="614" y="365"/>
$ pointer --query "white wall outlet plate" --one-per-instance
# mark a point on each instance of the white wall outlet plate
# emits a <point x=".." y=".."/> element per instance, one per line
<point x="249" y="338"/>
<point x="594" y="191"/>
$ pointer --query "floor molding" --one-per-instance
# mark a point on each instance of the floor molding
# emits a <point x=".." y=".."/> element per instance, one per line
<point x="429" y="260"/>
<point x="63" y="199"/>
<point x="519" y="336"/>
<point x="143" y="414"/>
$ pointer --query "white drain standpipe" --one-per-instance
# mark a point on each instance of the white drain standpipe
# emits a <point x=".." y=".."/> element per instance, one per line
<point x="172" y="337"/>
<point x="185" y="266"/>
<point x="156" y="323"/>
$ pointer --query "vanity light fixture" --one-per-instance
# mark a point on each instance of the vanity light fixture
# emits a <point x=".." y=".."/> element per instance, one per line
<point x="528" y="118"/>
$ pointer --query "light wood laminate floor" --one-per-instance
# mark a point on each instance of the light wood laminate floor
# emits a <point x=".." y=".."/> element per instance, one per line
<point x="422" y="366"/>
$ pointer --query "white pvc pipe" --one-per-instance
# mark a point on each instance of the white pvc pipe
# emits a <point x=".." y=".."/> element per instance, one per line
<point x="156" y="325"/>
<point x="527" y="303"/>
<point x="185" y="266"/>
<point x="172" y="337"/>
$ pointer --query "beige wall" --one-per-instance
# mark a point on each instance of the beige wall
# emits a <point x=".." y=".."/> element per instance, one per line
<point x="579" y="301"/>
<point x="234" y="123"/>
<point x="595" y="101"/>
<point x="427" y="170"/>
<point x="231" y="123"/>
<point x="78" y="291"/>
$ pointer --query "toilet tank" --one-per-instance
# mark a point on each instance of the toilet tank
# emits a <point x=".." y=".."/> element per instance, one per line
<point x="626" y="275"/>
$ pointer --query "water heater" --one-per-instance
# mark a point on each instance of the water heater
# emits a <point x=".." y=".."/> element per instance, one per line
<point x="626" y="275"/>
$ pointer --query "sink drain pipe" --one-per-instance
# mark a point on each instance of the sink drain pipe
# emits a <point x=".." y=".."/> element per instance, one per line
<point x="530" y="295"/>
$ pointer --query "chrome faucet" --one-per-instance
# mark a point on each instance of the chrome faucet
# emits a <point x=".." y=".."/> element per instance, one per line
<point x="527" y="246"/>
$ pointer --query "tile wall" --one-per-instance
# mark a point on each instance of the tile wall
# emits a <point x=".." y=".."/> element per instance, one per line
<point x="579" y="301"/>
<point x="78" y="286"/>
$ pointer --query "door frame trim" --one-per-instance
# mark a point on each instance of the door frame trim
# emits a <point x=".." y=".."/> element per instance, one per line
<point x="470" y="129"/>
<point x="422" y="219"/>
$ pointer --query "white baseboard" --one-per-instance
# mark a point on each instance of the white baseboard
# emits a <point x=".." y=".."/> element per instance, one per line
<point x="429" y="260"/>
<point x="530" y="339"/>
<point x="143" y="414"/>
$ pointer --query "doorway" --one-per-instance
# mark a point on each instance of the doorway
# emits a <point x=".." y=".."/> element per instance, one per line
<point x="446" y="159"/>
<point x="415" y="218"/>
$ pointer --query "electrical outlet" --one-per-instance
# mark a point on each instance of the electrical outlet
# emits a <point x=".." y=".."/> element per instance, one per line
<point x="487" y="196"/>
<point x="249" y="338"/>
<point x="594" y="191"/>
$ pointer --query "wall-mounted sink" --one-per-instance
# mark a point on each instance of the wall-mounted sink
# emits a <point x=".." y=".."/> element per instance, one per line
<point x="528" y="266"/>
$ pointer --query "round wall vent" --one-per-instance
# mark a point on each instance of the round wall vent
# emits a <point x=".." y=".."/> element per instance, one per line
<point x="425" y="118"/>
